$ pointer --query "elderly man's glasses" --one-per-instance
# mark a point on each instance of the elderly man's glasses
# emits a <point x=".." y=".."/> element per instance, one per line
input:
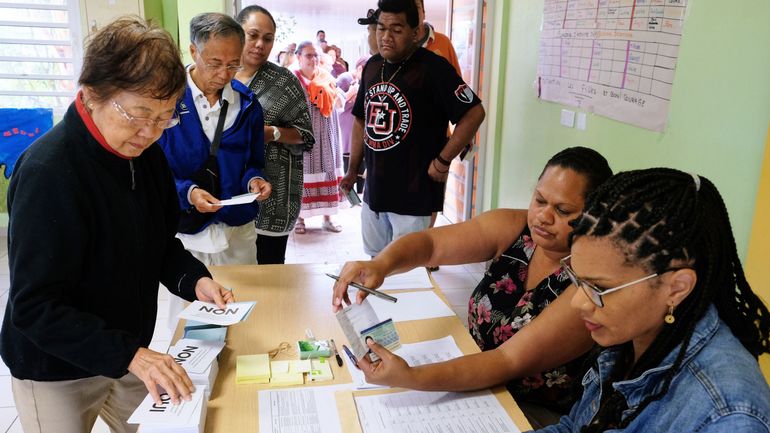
<point x="593" y="291"/>
<point x="231" y="69"/>
<point x="143" y="122"/>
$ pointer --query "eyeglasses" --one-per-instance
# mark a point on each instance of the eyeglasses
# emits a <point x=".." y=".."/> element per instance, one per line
<point x="231" y="69"/>
<point x="593" y="292"/>
<point x="310" y="56"/>
<point x="144" y="122"/>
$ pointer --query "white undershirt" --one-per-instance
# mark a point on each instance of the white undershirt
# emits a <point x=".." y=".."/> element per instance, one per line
<point x="208" y="114"/>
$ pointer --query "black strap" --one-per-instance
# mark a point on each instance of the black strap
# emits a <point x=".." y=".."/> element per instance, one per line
<point x="220" y="125"/>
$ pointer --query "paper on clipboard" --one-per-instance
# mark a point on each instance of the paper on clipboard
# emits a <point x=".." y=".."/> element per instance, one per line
<point x="239" y="199"/>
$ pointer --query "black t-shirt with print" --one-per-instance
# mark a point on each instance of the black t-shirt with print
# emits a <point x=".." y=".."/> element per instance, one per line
<point x="405" y="108"/>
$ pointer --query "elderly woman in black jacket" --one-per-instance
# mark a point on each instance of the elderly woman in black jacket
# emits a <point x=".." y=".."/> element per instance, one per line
<point x="93" y="214"/>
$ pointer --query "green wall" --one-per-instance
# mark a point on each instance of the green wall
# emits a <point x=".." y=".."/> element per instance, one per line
<point x="190" y="9"/>
<point x="718" y="115"/>
<point x="165" y="13"/>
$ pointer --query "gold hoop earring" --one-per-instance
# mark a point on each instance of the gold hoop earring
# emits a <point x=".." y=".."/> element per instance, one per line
<point x="669" y="318"/>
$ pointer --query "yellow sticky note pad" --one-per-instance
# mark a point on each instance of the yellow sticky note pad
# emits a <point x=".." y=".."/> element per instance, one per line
<point x="287" y="379"/>
<point x="279" y="367"/>
<point x="284" y="373"/>
<point x="321" y="370"/>
<point x="300" y="366"/>
<point x="252" y="369"/>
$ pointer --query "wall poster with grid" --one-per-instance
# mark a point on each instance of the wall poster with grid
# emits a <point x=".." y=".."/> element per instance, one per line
<point x="615" y="58"/>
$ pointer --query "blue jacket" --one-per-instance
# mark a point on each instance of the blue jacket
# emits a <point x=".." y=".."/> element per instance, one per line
<point x="241" y="153"/>
<point x="719" y="388"/>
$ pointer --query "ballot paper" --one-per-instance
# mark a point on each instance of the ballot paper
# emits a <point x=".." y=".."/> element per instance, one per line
<point x="412" y="306"/>
<point x="186" y="417"/>
<point x="417" y="278"/>
<point x="195" y="356"/>
<point x="239" y="199"/>
<point x="207" y="312"/>
<point x="421" y="353"/>
<point x="198" y="358"/>
<point x="418" y="411"/>
<point x="204" y="331"/>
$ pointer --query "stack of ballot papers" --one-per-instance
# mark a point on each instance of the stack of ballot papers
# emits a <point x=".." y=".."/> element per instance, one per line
<point x="199" y="359"/>
<point x="208" y="312"/>
<point x="186" y="417"/>
<point x="204" y="331"/>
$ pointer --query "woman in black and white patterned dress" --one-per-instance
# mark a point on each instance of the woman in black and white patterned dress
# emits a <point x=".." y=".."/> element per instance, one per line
<point x="288" y="133"/>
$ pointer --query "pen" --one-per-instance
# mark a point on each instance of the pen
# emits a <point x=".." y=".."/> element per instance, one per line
<point x="376" y="293"/>
<point x="336" y="354"/>
<point x="350" y="355"/>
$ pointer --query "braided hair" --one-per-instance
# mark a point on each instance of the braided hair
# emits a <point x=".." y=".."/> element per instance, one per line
<point x="584" y="161"/>
<point x="659" y="216"/>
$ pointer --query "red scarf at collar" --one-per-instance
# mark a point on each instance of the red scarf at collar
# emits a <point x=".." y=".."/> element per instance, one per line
<point x="89" y="122"/>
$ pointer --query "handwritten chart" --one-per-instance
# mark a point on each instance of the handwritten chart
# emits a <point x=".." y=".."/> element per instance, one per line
<point x="615" y="58"/>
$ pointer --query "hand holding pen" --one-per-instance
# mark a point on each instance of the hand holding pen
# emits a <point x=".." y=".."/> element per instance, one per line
<point x="367" y="273"/>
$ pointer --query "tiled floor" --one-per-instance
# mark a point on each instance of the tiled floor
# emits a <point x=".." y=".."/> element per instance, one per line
<point x="315" y="246"/>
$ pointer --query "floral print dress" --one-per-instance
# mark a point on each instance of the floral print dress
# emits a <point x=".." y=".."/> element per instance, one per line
<point x="500" y="306"/>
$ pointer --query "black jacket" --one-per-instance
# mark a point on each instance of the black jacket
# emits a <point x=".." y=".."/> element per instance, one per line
<point x="90" y="237"/>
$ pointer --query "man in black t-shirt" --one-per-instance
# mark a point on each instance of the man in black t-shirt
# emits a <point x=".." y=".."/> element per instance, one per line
<point x="407" y="96"/>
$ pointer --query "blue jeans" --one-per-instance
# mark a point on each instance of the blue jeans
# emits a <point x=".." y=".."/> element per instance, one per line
<point x="378" y="229"/>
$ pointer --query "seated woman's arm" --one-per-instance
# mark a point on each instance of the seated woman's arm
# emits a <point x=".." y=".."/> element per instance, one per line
<point x="479" y="239"/>
<point x="554" y="337"/>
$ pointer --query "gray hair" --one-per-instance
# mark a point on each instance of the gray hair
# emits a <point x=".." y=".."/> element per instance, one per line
<point x="207" y="25"/>
<point x="302" y="46"/>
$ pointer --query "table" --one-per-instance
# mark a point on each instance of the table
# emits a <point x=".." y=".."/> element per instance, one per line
<point x="290" y="299"/>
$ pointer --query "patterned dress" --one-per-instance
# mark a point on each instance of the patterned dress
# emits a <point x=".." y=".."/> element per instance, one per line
<point x="283" y="104"/>
<point x="500" y="306"/>
<point x="323" y="165"/>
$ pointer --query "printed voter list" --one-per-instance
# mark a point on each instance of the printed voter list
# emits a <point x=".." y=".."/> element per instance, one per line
<point x="207" y="312"/>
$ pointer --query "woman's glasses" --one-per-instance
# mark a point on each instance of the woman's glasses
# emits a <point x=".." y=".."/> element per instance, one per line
<point x="144" y="122"/>
<point x="593" y="291"/>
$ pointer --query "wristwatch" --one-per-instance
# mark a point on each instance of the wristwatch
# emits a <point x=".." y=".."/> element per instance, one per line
<point x="276" y="133"/>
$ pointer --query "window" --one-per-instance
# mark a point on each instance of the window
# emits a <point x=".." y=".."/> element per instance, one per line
<point x="40" y="54"/>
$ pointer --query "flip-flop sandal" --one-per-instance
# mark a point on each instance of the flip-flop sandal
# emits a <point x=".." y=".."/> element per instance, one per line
<point x="331" y="227"/>
<point x="299" y="228"/>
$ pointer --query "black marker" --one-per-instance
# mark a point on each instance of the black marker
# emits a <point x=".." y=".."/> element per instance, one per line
<point x="336" y="354"/>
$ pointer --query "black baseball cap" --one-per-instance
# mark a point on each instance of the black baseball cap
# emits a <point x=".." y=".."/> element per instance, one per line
<point x="371" y="17"/>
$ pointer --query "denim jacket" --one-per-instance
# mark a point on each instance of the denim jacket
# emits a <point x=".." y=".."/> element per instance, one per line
<point x="719" y="388"/>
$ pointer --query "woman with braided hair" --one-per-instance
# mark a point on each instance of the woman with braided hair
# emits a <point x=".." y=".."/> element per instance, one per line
<point x="664" y="295"/>
<point x="524" y="281"/>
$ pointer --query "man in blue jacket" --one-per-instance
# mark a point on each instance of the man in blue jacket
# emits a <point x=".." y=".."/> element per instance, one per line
<point x="228" y="235"/>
